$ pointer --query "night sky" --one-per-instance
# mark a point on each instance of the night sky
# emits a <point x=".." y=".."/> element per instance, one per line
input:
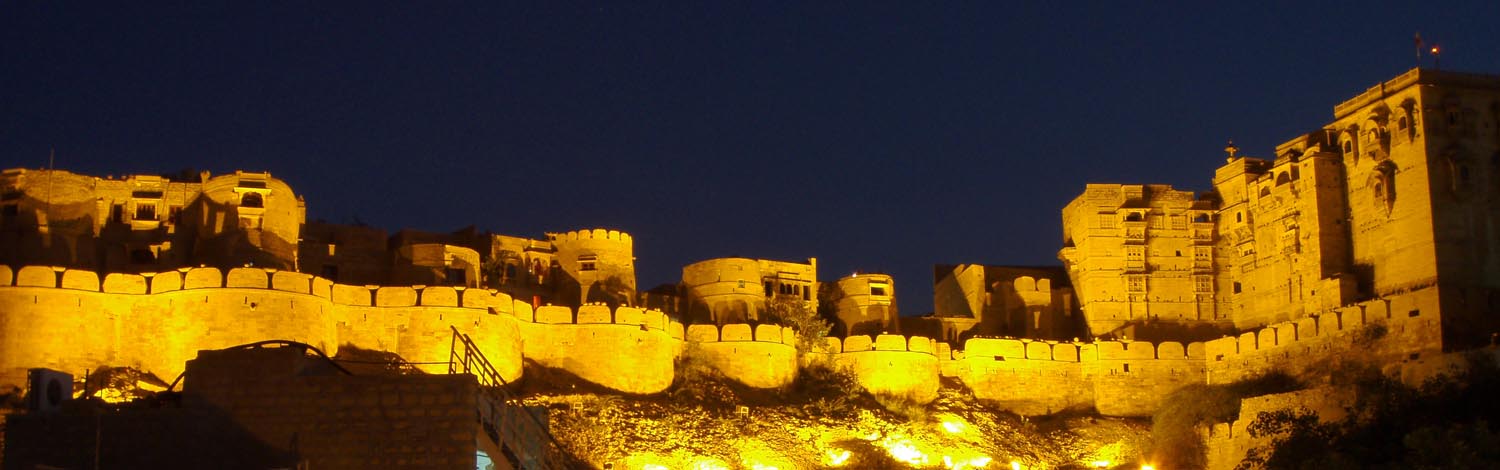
<point x="882" y="138"/>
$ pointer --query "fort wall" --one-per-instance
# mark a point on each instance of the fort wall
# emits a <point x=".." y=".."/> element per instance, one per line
<point x="1396" y="330"/>
<point x="73" y="320"/>
<point x="632" y="358"/>
<point x="69" y="320"/>
<point x="1041" y="377"/>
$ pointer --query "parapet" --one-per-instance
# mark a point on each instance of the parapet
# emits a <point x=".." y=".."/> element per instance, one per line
<point x="595" y="234"/>
<point x="599" y="314"/>
<point x="1326" y="325"/>
<point x="894" y="343"/>
<point x="1017" y="349"/>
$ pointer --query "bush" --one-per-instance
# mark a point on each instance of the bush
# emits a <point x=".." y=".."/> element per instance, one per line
<point x="827" y="391"/>
<point x="1445" y="423"/>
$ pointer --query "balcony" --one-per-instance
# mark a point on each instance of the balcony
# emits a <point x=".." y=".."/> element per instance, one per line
<point x="1203" y="233"/>
<point x="1135" y="232"/>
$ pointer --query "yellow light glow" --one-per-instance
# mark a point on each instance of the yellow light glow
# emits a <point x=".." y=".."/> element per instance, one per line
<point x="953" y="427"/>
<point x="1148" y="467"/>
<point x="837" y="458"/>
<point x="1014" y="465"/>
<point x="708" y="465"/>
<point x="905" y="452"/>
<point x="757" y="466"/>
<point x="652" y="466"/>
<point x="1101" y="463"/>
<point x="976" y="462"/>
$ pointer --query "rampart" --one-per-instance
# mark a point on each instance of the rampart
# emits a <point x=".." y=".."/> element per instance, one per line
<point x="1040" y="377"/>
<point x="891" y="365"/>
<point x="1397" y="330"/>
<point x="74" y="320"/>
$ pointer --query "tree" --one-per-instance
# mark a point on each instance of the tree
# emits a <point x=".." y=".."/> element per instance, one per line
<point x="810" y="327"/>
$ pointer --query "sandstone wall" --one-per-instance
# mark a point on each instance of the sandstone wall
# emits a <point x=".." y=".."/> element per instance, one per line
<point x="69" y="320"/>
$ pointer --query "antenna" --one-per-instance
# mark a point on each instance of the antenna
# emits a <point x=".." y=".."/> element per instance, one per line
<point x="1417" y="39"/>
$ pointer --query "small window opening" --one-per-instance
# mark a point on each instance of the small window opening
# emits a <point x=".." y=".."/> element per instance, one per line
<point x="1127" y="367"/>
<point x="252" y="200"/>
<point x="455" y="276"/>
<point x="145" y="212"/>
<point x="1414" y="313"/>
<point x="1236" y="287"/>
<point x="1239" y="216"/>
<point x="768" y="289"/>
<point x="589" y="266"/>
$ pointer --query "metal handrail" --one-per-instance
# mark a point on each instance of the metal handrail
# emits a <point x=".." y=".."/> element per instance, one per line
<point x="502" y="404"/>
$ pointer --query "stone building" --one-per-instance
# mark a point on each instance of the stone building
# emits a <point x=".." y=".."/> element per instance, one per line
<point x="977" y="300"/>
<point x="146" y="223"/>
<point x="1398" y="193"/>
<point x="1138" y="253"/>
<point x="732" y="290"/>
<point x="864" y="304"/>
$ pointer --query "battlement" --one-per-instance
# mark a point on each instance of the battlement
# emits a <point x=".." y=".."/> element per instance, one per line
<point x="1007" y="349"/>
<point x="896" y="343"/>
<point x="594" y="234"/>
<point x="1293" y="345"/>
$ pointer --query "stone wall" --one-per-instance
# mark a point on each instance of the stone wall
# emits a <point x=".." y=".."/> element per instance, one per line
<point x="69" y="320"/>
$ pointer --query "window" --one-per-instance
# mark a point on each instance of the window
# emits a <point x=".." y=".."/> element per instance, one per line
<point x="768" y="288"/>
<point x="1239" y="216"/>
<point x="455" y="276"/>
<point x="1107" y="221"/>
<point x="117" y="214"/>
<point x="174" y="214"/>
<point x="877" y="289"/>
<point x="252" y="200"/>
<point x="1133" y="217"/>
<point x="1236" y="287"/>
<point x="1203" y="284"/>
<point x="1179" y="222"/>
<point x="1156" y="222"/>
<point x="145" y="211"/>
<point x="1135" y="283"/>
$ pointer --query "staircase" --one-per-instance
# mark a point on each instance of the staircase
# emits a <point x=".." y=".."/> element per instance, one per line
<point x="520" y="434"/>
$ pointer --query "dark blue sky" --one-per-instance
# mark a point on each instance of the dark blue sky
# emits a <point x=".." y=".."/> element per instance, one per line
<point x="876" y="137"/>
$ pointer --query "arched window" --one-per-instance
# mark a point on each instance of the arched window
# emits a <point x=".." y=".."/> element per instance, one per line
<point x="252" y="200"/>
<point x="1265" y="192"/>
<point x="1133" y="217"/>
<point x="1383" y="186"/>
<point x="1201" y="218"/>
<point x="1283" y="178"/>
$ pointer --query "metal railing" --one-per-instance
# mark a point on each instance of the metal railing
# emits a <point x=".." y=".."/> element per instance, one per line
<point x="509" y="424"/>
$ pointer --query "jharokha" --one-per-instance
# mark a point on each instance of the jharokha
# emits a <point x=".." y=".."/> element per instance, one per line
<point x="1389" y="214"/>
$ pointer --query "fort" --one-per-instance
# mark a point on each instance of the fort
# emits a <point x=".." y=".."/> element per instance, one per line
<point x="1384" y="218"/>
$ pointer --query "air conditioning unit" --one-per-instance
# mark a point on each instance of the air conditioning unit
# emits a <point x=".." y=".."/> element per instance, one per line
<point x="48" y="390"/>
